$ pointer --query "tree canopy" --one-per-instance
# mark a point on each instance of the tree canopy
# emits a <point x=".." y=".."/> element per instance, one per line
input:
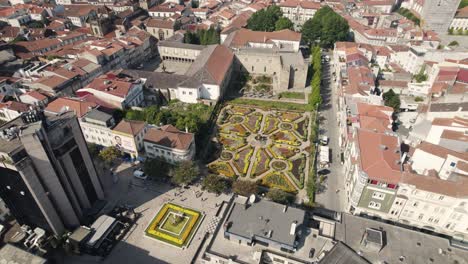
<point x="265" y="19"/>
<point x="156" y="168"/>
<point x="215" y="184"/>
<point x="315" y="98"/>
<point x="109" y="154"/>
<point x="203" y="37"/>
<point x="244" y="188"/>
<point x="184" y="172"/>
<point x="325" y="28"/>
<point x="190" y="116"/>
<point x="284" y="23"/>
<point x="392" y="99"/>
<point x="280" y="196"/>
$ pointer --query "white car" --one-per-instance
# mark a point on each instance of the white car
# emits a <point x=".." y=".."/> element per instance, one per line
<point x="140" y="175"/>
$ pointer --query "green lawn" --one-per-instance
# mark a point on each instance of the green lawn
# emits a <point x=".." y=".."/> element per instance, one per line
<point x="169" y="226"/>
<point x="292" y="95"/>
<point x="271" y="104"/>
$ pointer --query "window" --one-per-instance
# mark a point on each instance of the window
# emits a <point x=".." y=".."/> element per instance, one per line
<point x="420" y="216"/>
<point x="452" y="164"/>
<point x="183" y="92"/>
<point x="378" y="195"/>
<point x="441" y="197"/>
<point x="190" y="93"/>
<point x="415" y="204"/>
<point x="374" y="205"/>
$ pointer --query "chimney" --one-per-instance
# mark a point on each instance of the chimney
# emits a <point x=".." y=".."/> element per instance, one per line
<point x="285" y="208"/>
<point x="383" y="147"/>
<point x="186" y="129"/>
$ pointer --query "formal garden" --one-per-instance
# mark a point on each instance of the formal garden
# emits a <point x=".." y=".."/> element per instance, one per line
<point x="174" y="225"/>
<point x="270" y="147"/>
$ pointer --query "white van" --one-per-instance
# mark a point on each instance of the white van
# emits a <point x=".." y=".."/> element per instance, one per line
<point x="140" y="175"/>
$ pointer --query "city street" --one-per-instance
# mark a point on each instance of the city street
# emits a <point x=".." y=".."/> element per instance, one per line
<point x="331" y="191"/>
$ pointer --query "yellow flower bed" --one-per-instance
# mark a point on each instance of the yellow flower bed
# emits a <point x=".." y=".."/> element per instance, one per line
<point x="153" y="228"/>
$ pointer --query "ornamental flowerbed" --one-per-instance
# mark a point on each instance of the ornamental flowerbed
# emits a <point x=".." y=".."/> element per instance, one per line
<point x="282" y="152"/>
<point x="174" y="225"/>
<point x="289" y="116"/>
<point x="242" y="160"/>
<point x="221" y="168"/>
<point x="239" y="110"/>
<point x="232" y="143"/>
<point x="285" y="137"/>
<point x="297" y="170"/>
<point x="301" y="129"/>
<point x="261" y="164"/>
<point x="253" y="122"/>
<point x="278" y="180"/>
<point x="271" y="124"/>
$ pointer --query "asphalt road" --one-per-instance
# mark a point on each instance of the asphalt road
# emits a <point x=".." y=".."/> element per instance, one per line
<point x="331" y="191"/>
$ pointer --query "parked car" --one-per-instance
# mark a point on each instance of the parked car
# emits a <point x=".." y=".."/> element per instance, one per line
<point x="140" y="175"/>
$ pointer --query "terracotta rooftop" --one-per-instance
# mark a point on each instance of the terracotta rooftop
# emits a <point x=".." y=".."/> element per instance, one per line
<point x="160" y="23"/>
<point x="303" y="4"/>
<point x="439" y="151"/>
<point x="170" y="137"/>
<point x="462" y="12"/>
<point x="455" y="187"/>
<point x="167" y="7"/>
<point x="36" y="95"/>
<point x="15" y="106"/>
<point x="454" y="135"/>
<point x="219" y="62"/>
<point x="456" y="122"/>
<point x="130" y="127"/>
<point x="62" y="104"/>
<point x="378" y="156"/>
<point x="78" y="10"/>
<point x="110" y="84"/>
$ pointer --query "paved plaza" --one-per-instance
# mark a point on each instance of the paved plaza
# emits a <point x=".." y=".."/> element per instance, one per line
<point x="148" y="197"/>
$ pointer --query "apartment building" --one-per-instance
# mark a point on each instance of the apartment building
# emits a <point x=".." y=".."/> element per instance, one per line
<point x="97" y="127"/>
<point x="437" y="15"/>
<point x="299" y="11"/>
<point x="169" y="144"/>
<point x="48" y="177"/>
<point x="460" y="21"/>
<point x="128" y="136"/>
<point x="122" y="93"/>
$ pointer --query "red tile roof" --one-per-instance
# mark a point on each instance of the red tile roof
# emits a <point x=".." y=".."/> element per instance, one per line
<point x="170" y="137"/>
<point x="453" y="188"/>
<point x="70" y="104"/>
<point x="112" y="85"/>
<point x="130" y="127"/>
<point x="15" y="106"/>
<point x="378" y="156"/>
<point x="219" y="62"/>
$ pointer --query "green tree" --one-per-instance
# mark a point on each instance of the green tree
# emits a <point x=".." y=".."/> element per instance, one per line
<point x="215" y="184"/>
<point x="392" y="99"/>
<point x="280" y="196"/>
<point x="93" y="150"/>
<point x="463" y="3"/>
<point x="109" y="154"/>
<point x="135" y="115"/>
<point x="184" y="172"/>
<point x="156" y="168"/>
<point x="244" y="188"/>
<point x="460" y="31"/>
<point x="454" y="43"/>
<point x="35" y="24"/>
<point x="265" y="19"/>
<point x="325" y="28"/>
<point x="421" y="76"/>
<point x="195" y="3"/>
<point x="450" y="31"/>
<point x="284" y="23"/>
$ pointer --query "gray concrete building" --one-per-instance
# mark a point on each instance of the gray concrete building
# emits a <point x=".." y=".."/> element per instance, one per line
<point x="48" y="177"/>
<point x="264" y="222"/>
